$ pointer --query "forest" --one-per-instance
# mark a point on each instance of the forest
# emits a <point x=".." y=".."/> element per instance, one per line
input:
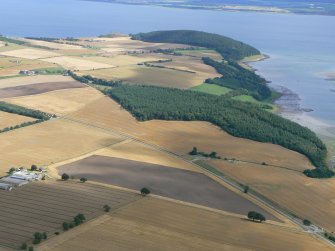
<point x="237" y="118"/>
<point x="230" y="49"/>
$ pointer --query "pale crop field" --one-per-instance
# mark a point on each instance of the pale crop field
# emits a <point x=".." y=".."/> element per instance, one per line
<point x="10" y="119"/>
<point x="311" y="199"/>
<point x="29" y="53"/>
<point x="58" y="102"/>
<point x="50" y="142"/>
<point x="160" y="225"/>
<point x="73" y="63"/>
<point x="56" y="46"/>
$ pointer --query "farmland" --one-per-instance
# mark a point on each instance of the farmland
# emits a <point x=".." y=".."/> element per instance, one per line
<point x="162" y="225"/>
<point x="48" y="204"/>
<point x="30" y="53"/>
<point x="161" y="180"/>
<point x="10" y="119"/>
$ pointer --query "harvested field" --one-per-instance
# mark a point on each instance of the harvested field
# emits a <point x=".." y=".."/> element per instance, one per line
<point x="10" y="119"/>
<point x="25" y="90"/>
<point x="27" y="80"/>
<point x="132" y="150"/>
<point x="50" y="142"/>
<point x="173" y="183"/>
<point x="73" y="63"/>
<point x="156" y="225"/>
<point x="30" y="53"/>
<point x="181" y="136"/>
<point x="44" y="206"/>
<point x="150" y="76"/>
<point x="56" y="46"/>
<point x="311" y="199"/>
<point x="58" y="102"/>
<point x="201" y="53"/>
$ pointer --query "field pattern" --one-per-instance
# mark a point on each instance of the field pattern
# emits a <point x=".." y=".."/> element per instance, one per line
<point x="11" y="119"/>
<point x="44" y="206"/>
<point x="163" y="226"/>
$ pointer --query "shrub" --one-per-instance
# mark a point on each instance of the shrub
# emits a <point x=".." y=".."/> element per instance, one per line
<point x="194" y="151"/>
<point x="65" y="176"/>
<point x="66" y="226"/>
<point x="33" y="168"/>
<point x="83" y="180"/>
<point x="24" y="246"/>
<point x="31" y="249"/>
<point x="107" y="208"/>
<point x="307" y="222"/>
<point x="252" y="215"/>
<point x="246" y="189"/>
<point x="145" y="191"/>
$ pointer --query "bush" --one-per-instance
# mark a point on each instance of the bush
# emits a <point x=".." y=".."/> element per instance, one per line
<point x="83" y="180"/>
<point x="24" y="246"/>
<point x="194" y="151"/>
<point x="31" y="249"/>
<point x="33" y="168"/>
<point x="252" y="215"/>
<point x="145" y="191"/>
<point x="307" y="222"/>
<point x="319" y="173"/>
<point x="65" y="176"/>
<point x="66" y="226"/>
<point x="246" y="189"/>
<point x="107" y="208"/>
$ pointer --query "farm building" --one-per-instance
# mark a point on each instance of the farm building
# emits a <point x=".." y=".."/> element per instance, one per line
<point x="5" y="186"/>
<point x="27" y="72"/>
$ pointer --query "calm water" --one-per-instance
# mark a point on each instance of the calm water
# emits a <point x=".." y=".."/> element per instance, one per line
<point x="302" y="48"/>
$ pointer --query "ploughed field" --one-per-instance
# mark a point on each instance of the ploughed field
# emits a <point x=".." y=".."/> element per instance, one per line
<point x="32" y="89"/>
<point x="44" y="206"/>
<point x="169" y="182"/>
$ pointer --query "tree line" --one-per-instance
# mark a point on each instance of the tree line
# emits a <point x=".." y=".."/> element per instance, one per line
<point x="16" y="109"/>
<point x="237" y="118"/>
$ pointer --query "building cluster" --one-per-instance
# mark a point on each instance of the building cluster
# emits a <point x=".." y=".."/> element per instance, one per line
<point x="19" y="178"/>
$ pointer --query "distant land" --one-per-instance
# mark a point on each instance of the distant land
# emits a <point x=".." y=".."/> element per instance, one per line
<point x="320" y="7"/>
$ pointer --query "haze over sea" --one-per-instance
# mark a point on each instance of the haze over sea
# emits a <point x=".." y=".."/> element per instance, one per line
<point x="301" y="48"/>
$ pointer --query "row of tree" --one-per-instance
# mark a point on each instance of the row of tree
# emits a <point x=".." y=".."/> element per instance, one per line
<point x="16" y="109"/>
<point x="237" y="118"/>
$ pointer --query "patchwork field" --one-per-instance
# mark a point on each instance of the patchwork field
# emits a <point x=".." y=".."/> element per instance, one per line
<point x="200" y="53"/>
<point x="55" y="46"/>
<point x="10" y="119"/>
<point x="164" y="181"/>
<point x="161" y="226"/>
<point x="73" y="63"/>
<point x="25" y="90"/>
<point x="43" y="207"/>
<point x="312" y="199"/>
<point x="30" y="53"/>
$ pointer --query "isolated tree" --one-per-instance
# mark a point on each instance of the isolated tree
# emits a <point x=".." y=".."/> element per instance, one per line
<point x="107" y="208"/>
<point x="83" y="180"/>
<point x="307" y="222"/>
<point x="65" y="176"/>
<point x="33" y="168"/>
<point x="246" y="189"/>
<point x="252" y="215"/>
<point x="145" y="191"/>
<point x="194" y="151"/>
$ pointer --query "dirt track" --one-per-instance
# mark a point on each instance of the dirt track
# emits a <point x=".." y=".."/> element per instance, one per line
<point x="168" y="182"/>
<point x="33" y="89"/>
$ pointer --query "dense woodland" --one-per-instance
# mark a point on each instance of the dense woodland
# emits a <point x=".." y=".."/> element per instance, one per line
<point x="230" y="49"/>
<point x="237" y="118"/>
<point x="237" y="77"/>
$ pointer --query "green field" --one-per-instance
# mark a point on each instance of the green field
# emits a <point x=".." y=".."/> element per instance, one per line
<point x="211" y="89"/>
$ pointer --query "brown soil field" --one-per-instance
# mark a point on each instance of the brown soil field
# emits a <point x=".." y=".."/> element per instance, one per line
<point x="30" y="53"/>
<point x="132" y="150"/>
<point x="155" y="225"/>
<point x="164" y="181"/>
<point x="10" y="119"/>
<point x="150" y="75"/>
<point x="311" y="199"/>
<point x="43" y="207"/>
<point x="27" y="80"/>
<point x="25" y="90"/>
<point x="58" y="102"/>
<point x="181" y="136"/>
<point x="73" y="63"/>
<point x="51" y="142"/>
